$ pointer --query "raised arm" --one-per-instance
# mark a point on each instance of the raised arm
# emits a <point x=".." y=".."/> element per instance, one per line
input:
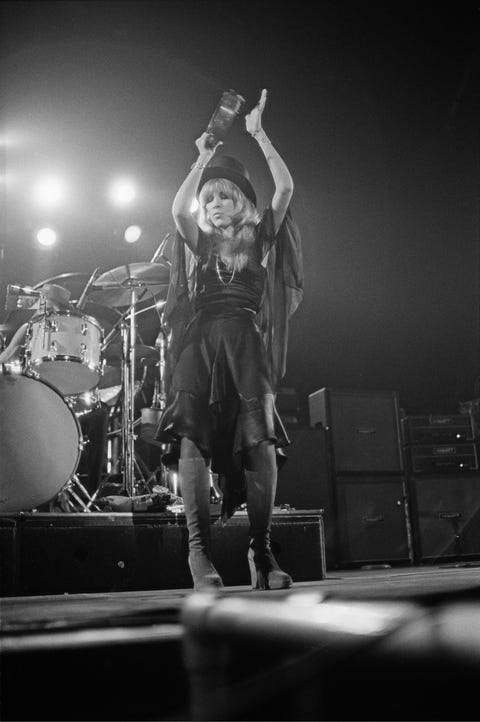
<point x="186" y="194"/>
<point x="281" y="175"/>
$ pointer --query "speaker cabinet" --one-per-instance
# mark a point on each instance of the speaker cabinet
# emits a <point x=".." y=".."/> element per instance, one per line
<point x="304" y="482"/>
<point x="363" y="429"/>
<point x="373" y="522"/>
<point x="446" y="515"/>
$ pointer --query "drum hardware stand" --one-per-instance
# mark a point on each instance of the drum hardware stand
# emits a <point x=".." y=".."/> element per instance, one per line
<point x="128" y="335"/>
<point x="71" y="491"/>
<point x="151" y="415"/>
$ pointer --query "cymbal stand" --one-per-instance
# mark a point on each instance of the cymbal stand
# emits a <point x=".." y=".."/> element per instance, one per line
<point x="128" y="367"/>
<point x="129" y="335"/>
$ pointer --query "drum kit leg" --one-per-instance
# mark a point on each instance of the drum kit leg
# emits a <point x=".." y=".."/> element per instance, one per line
<point x="66" y="355"/>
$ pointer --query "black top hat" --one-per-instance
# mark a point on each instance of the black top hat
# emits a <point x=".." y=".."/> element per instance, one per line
<point x="224" y="166"/>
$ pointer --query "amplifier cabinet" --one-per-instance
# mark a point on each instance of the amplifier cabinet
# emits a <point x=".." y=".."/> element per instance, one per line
<point x="425" y="459"/>
<point x="445" y="516"/>
<point x="373" y="520"/>
<point x="437" y="429"/>
<point x="363" y="429"/>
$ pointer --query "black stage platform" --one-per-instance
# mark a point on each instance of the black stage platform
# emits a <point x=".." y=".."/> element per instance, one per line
<point x="366" y="644"/>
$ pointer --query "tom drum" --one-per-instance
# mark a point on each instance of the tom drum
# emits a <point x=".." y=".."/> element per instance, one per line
<point x="65" y="350"/>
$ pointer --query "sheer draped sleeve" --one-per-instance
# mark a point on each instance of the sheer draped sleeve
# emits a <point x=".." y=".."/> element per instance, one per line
<point x="283" y="289"/>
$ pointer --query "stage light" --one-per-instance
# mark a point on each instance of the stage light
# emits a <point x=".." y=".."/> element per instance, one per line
<point x="122" y="192"/>
<point x="46" y="237"/>
<point x="132" y="234"/>
<point x="49" y="192"/>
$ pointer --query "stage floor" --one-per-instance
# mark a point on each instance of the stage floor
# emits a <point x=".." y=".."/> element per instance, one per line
<point x="49" y="615"/>
<point x="121" y="655"/>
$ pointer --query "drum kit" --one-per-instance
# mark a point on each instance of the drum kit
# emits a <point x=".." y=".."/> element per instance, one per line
<point x="91" y="348"/>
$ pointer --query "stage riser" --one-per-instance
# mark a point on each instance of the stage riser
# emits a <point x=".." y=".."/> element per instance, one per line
<point x="86" y="553"/>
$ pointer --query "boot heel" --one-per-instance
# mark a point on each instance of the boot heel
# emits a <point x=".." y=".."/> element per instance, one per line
<point x="265" y="572"/>
<point x="205" y="576"/>
<point x="258" y="580"/>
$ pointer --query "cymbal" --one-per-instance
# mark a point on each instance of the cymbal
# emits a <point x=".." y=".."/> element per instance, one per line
<point x="148" y="274"/>
<point x="150" y="279"/>
<point x="118" y="297"/>
<point x="100" y="312"/>
<point x="109" y="394"/>
<point x="113" y="354"/>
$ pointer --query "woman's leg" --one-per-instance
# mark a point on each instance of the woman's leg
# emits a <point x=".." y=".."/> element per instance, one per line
<point x="261" y="478"/>
<point x="194" y="477"/>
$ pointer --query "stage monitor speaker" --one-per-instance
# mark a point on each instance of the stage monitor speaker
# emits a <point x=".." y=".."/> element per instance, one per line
<point x="373" y="520"/>
<point x="446" y="515"/>
<point x="363" y="429"/>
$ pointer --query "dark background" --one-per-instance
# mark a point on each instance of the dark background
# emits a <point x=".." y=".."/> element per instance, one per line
<point x="374" y="107"/>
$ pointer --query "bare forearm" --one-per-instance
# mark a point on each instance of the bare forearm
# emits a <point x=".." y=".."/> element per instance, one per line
<point x="185" y="196"/>
<point x="281" y="175"/>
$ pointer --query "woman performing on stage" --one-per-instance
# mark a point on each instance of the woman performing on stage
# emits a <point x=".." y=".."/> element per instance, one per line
<point x="236" y="278"/>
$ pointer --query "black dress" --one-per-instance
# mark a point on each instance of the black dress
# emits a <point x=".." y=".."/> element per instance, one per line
<point x="221" y="392"/>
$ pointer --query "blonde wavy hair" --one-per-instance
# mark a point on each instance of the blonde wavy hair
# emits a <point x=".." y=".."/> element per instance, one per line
<point x="234" y="245"/>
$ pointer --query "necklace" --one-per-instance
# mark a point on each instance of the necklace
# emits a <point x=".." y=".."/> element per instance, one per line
<point x="220" y="275"/>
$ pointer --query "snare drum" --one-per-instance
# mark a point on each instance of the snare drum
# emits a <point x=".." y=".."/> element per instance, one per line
<point x="40" y="443"/>
<point x="64" y="349"/>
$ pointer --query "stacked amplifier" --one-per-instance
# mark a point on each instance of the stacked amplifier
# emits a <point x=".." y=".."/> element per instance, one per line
<point x="440" y="443"/>
<point x="367" y="514"/>
<point x="441" y="454"/>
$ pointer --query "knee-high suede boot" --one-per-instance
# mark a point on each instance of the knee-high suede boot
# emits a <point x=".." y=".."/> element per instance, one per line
<point x="264" y="570"/>
<point x="195" y="489"/>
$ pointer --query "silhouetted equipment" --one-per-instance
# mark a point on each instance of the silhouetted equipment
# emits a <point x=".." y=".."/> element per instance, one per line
<point x="438" y="429"/>
<point x="434" y="458"/>
<point x="444" y="486"/>
<point x="446" y="514"/>
<point x="367" y="518"/>
<point x="363" y="429"/>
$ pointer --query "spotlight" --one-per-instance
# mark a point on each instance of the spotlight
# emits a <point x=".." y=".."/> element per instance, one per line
<point x="132" y="234"/>
<point x="49" y="192"/>
<point x="122" y="192"/>
<point x="46" y="237"/>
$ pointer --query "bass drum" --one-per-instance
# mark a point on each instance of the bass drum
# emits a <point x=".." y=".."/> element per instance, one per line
<point x="40" y="443"/>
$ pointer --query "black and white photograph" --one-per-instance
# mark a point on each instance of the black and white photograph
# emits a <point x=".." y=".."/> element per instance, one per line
<point x="239" y="360"/>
